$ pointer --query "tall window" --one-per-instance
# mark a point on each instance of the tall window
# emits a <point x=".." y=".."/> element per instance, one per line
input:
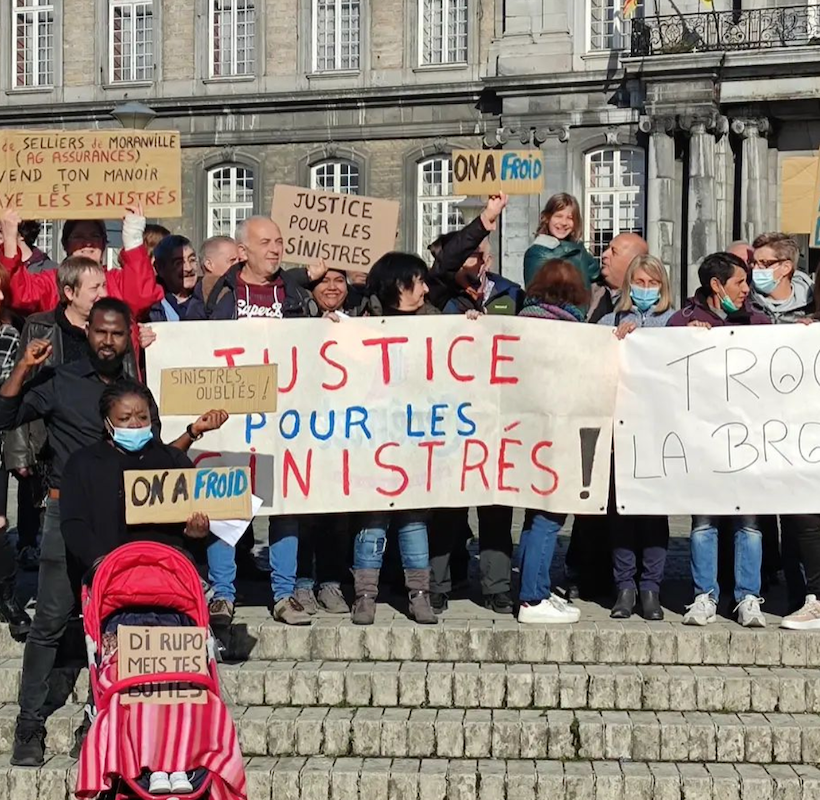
<point x="336" y="35"/>
<point x="33" y="43"/>
<point x="615" y="181"/>
<point x="233" y="24"/>
<point x="48" y="240"/>
<point x="131" y="40"/>
<point x="608" y="29"/>
<point x="443" y="31"/>
<point x="437" y="210"/>
<point x="230" y="199"/>
<point x="335" y="176"/>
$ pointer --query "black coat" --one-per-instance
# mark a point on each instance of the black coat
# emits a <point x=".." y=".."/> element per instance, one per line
<point x="92" y="500"/>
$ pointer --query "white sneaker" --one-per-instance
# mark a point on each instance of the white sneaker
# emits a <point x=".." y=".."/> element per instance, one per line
<point x="806" y="619"/>
<point x="180" y="783"/>
<point x="159" y="783"/>
<point x="702" y="611"/>
<point x="749" y="614"/>
<point x="554" y="610"/>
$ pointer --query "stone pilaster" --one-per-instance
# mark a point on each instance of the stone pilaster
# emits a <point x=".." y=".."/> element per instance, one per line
<point x="702" y="195"/>
<point x="754" y="188"/>
<point x="662" y="200"/>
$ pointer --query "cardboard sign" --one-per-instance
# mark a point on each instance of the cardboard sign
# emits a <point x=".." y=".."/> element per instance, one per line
<point x="485" y="172"/>
<point x="157" y="650"/>
<point x="347" y="231"/>
<point x="172" y="495"/>
<point x="238" y="390"/>
<point x="798" y="212"/>
<point x="90" y="174"/>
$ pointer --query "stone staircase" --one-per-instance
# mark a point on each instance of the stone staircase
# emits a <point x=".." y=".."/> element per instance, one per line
<point x="480" y="708"/>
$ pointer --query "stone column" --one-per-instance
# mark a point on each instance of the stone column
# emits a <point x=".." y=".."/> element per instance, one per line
<point x="754" y="167"/>
<point x="701" y="199"/>
<point x="662" y="201"/>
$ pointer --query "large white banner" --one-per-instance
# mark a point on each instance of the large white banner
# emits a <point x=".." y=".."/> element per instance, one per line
<point x="389" y="413"/>
<point x="721" y="421"/>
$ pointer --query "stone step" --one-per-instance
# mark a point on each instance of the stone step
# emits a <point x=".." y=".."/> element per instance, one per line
<point x="501" y="733"/>
<point x="477" y="636"/>
<point x="469" y="779"/>
<point x="418" y="684"/>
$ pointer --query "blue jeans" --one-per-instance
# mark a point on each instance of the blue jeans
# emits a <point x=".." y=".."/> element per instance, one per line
<point x="703" y="549"/>
<point x="283" y="540"/>
<point x="369" y="545"/>
<point x="222" y="569"/>
<point x="535" y="551"/>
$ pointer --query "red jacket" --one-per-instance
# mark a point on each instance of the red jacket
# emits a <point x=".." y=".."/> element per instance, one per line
<point x="135" y="284"/>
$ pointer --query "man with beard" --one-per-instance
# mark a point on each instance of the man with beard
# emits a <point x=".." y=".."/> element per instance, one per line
<point x="67" y="400"/>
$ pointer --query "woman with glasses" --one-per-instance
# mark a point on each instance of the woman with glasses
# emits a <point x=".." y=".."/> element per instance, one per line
<point x="779" y="290"/>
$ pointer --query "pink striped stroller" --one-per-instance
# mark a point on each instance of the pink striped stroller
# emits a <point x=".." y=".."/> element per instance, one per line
<point x="149" y="584"/>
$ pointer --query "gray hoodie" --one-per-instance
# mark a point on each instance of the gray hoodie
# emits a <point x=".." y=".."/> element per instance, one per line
<point x="799" y="305"/>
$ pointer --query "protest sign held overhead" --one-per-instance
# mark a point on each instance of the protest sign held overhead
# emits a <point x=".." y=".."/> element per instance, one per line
<point x="389" y="414"/>
<point x="485" y="172"/>
<point x="90" y="174"/>
<point x="720" y="421"/>
<point x="237" y="390"/>
<point x="346" y="231"/>
<point x="144" y="651"/>
<point x="172" y="495"/>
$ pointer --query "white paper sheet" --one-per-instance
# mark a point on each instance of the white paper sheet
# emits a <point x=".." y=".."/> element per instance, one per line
<point x="231" y="530"/>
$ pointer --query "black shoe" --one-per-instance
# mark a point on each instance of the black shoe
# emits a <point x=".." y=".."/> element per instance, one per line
<point x="439" y="602"/>
<point x="572" y="592"/>
<point x="79" y="736"/>
<point x="29" y="746"/>
<point x="624" y="604"/>
<point x="651" y="606"/>
<point x="500" y="602"/>
<point x="18" y="620"/>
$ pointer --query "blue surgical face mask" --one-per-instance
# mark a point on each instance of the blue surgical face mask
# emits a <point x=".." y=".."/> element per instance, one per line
<point x="131" y="439"/>
<point x="644" y="297"/>
<point x="764" y="280"/>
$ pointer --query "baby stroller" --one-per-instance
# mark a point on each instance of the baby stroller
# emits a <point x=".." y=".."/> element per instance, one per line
<point x="149" y="584"/>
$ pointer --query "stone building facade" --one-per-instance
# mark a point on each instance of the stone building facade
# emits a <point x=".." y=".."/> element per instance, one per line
<point x="674" y="123"/>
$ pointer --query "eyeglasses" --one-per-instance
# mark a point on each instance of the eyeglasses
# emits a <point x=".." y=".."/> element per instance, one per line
<point x="767" y="263"/>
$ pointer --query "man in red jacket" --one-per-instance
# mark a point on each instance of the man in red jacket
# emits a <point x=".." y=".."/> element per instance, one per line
<point x="135" y="284"/>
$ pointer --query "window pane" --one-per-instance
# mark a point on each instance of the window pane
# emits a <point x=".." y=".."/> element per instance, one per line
<point x="443" y="31"/>
<point x="615" y="181"/>
<point x="131" y="40"/>
<point x="335" y="176"/>
<point x="337" y="35"/>
<point x="233" y="37"/>
<point x="437" y="206"/>
<point x="33" y="43"/>
<point x="230" y="199"/>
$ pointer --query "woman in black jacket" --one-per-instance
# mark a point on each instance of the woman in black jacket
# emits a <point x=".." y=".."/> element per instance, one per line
<point x="92" y="499"/>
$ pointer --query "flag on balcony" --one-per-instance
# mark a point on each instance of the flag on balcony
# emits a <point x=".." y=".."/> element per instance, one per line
<point x="709" y="4"/>
<point x="630" y="6"/>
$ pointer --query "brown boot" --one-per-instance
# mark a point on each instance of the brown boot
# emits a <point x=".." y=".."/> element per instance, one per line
<point x="366" y="586"/>
<point x="418" y="585"/>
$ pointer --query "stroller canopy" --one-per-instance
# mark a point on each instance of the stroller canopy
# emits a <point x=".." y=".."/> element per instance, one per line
<point x="144" y="574"/>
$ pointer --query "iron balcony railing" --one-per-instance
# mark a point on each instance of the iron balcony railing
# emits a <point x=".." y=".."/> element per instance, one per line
<point x="754" y="29"/>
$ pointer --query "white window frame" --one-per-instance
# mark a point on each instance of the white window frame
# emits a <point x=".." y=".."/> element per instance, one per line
<point x="447" y="199"/>
<point x="36" y="9"/>
<point x="445" y="48"/>
<point x="621" y="30"/>
<point x="132" y="67"/>
<point x="337" y="164"/>
<point x="234" y="11"/>
<point x="615" y="191"/>
<point x="337" y="55"/>
<point x="238" y="210"/>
